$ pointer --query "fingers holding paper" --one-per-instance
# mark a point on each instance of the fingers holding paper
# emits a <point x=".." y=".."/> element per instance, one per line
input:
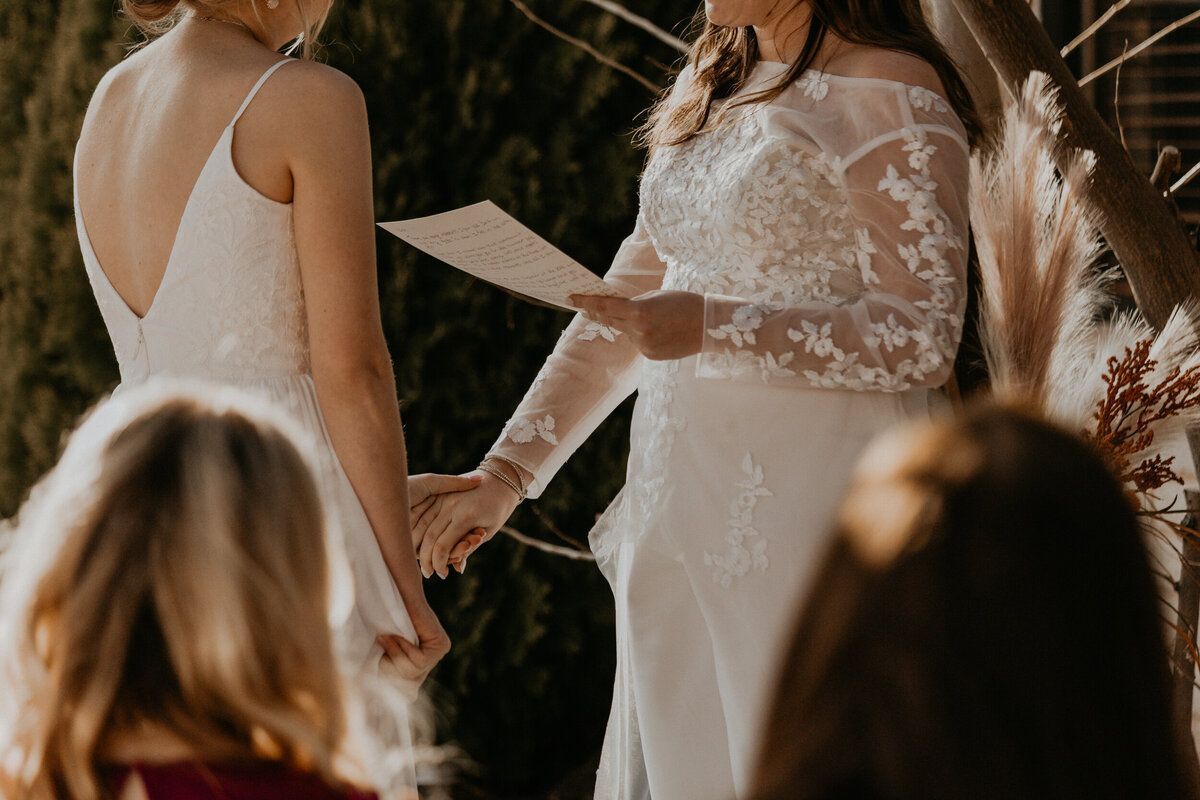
<point x="663" y="325"/>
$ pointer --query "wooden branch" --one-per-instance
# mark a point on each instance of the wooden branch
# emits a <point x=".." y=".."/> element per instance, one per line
<point x="553" y="549"/>
<point x="585" y="47"/>
<point x="1091" y="30"/>
<point x="1169" y="162"/>
<point x="1158" y="258"/>
<point x="1116" y="62"/>
<point x="618" y="10"/>
<point x="1186" y="179"/>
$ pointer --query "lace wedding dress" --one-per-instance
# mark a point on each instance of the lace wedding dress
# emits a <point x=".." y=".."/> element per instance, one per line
<point x="828" y="234"/>
<point x="230" y="309"/>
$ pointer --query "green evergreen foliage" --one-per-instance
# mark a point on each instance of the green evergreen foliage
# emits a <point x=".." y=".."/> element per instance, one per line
<point x="469" y="100"/>
<point x="55" y="358"/>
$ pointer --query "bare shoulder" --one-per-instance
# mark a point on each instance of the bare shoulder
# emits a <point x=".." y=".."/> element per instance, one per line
<point x="317" y="93"/>
<point x="860" y="61"/>
<point x="114" y="87"/>
<point x="327" y="103"/>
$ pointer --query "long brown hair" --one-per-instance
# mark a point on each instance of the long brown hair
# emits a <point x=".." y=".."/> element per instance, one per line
<point x="171" y="571"/>
<point x="985" y="626"/>
<point x="723" y="57"/>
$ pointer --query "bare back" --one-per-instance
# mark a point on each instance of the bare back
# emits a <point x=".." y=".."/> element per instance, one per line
<point x="150" y="128"/>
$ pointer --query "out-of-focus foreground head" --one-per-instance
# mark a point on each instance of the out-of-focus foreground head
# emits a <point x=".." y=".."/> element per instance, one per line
<point x="170" y="572"/>
<point x="985" y="626"/>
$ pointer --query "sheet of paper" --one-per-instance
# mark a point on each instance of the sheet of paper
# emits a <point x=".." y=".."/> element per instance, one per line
<point x="484" y="241"/>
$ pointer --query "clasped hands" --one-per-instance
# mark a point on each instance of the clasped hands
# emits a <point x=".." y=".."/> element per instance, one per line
<point x="453" y="516"/>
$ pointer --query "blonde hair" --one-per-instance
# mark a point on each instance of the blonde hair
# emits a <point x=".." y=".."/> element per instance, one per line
<point x="156" y="17"/>
<point x="171" y="570"/>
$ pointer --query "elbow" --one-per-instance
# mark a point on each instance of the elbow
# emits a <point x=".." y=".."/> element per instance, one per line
<point x="930" y="369"/>
<point x="937" y="377"/>
<point x="355" y="373"/>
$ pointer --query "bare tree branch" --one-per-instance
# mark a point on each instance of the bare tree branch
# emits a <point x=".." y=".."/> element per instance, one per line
<point x="1191" y="173"/>
<point x="550" y="526"/>
<point x="1117" y="100"/>
<point x="546" y="547"/>
<point x="618" y="10"/>
<point x="1091" y="30"/>
<point x="585" y="47"/>
<point x="1116" y="62"/>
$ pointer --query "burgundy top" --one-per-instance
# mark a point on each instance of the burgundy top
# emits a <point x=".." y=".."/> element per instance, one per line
<point x="190" y="780"/>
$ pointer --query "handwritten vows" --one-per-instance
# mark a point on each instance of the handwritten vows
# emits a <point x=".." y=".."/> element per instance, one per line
<point x="483" y="241"/>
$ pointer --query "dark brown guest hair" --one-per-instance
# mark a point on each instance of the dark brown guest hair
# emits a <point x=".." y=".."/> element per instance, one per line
<point x="985" y="626"/>
<point x="723" y="57"/>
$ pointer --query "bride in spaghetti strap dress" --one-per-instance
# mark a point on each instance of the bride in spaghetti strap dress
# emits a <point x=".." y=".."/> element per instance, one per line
<point x="223" y="206"/>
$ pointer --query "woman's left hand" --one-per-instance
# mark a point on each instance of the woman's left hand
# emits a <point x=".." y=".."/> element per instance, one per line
<point x="663" y="325"/>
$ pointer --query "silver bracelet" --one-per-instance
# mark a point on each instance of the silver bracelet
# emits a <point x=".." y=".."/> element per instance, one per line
<point x="489" y="469"/>
<point x="516" y="468"/>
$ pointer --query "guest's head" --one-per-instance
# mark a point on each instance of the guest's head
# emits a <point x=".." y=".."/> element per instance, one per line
<point x="170" y="577"/>
<point x="985" y="626"/>
<point x="275" y="23"/>
<point x="727" y="50"/>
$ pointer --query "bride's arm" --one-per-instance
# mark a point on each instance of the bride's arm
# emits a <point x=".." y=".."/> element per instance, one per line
<point x="592" y="369"/>
<point x="330" y="160"/>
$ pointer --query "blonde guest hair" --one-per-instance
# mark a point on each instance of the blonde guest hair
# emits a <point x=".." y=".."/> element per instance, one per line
<point x="156" y="17"/>
<point x="172" y="570"/>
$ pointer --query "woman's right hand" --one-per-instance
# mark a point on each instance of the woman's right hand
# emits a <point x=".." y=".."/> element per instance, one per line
<point x="412" y="663"/>
<point x="471" y="518"/>
<point x="424" y="489"/>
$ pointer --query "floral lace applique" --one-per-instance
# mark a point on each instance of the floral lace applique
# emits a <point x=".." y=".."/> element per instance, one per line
<point x="926" y="100"/>
<point x="814" y="85"/>
<point x="817" y="340"/>
<point x="595" y="329"/>
<point x="897" y="340"/>
<point x="747" y="546"/>
<point x="523" y="431"/>
<point x="658" y="387"/>
<point x="741" y="330"/>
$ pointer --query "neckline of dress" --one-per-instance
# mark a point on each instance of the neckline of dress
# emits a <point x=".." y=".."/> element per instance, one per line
<point x="781" y="66"/>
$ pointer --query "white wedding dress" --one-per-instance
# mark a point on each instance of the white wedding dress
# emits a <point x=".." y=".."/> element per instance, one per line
<point x="230" y="309"/>
<point x="828" y="234"/>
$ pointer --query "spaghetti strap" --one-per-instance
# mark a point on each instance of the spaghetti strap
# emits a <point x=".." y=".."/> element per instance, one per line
<point x="270" y="71"/>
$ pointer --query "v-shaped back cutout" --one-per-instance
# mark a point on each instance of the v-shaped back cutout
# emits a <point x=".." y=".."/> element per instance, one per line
<point x="226" y="134"/>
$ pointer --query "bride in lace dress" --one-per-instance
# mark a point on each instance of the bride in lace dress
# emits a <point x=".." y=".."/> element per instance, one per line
<point x="798" y="275"/>
<point x="224" y="210"/>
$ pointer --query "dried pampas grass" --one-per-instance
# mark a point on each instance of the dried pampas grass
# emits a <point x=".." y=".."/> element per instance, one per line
<point x="1036" y="236"/>
<point x="1130" y="390"/>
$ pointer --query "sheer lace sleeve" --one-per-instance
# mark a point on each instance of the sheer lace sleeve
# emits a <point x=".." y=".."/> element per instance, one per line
<point x="906" y="188"/>
<point x="592" y="369"/>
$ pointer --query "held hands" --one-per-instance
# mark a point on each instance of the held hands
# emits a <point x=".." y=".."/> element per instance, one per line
<point x="424" y="492"/>
<point x="663" y="325"/>
<point x="454" y="525"/>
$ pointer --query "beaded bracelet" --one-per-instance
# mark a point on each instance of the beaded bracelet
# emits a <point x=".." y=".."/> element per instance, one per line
<point x="509" y="482"/>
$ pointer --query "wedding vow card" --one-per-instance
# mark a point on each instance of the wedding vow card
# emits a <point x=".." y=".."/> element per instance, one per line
<point x="487" y="243"/>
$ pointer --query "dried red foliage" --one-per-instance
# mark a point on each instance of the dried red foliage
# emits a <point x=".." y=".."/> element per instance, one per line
<point x="1126" y="416"/>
